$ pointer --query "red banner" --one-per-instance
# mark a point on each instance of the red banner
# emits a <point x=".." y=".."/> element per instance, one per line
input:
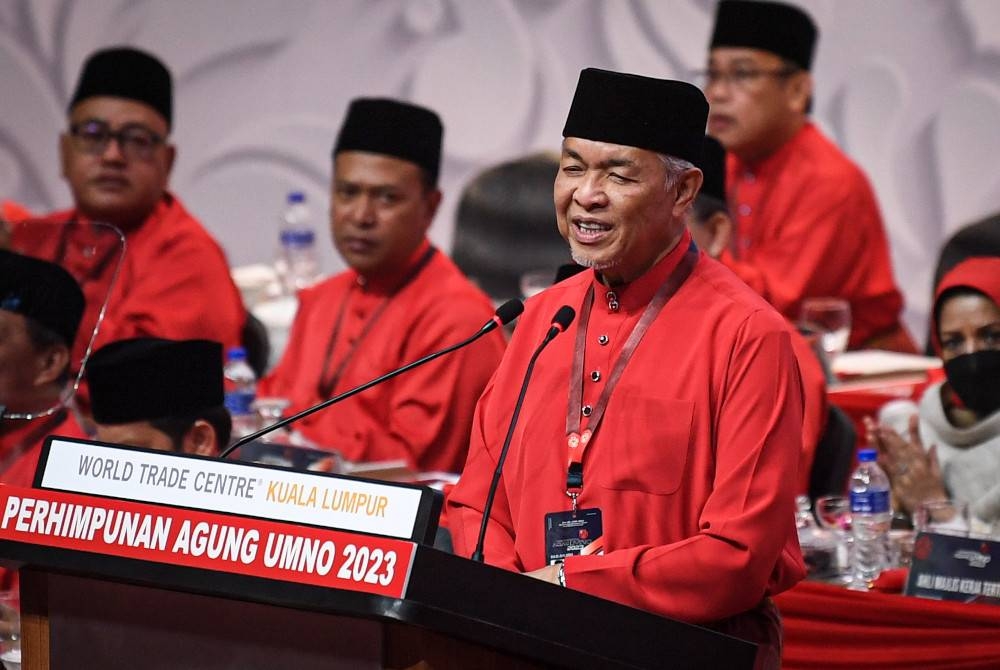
<point x="204" y="540"/>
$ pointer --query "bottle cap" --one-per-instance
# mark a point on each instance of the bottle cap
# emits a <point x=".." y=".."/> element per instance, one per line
<point x="236" y="354"/>
<point x="867" y="455"/>
<point x="298" y="237"/>
<point x="295" y="197"/>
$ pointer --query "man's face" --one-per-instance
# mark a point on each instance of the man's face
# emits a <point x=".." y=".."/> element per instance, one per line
<point x="135" y="434"/>
<point x="18" y="367"/>
<point x="112" y="183"/>
<point x="614" y="208"/>
<point x="756" y="102"/>
<point x="968" y="323"/>
<point x="380" y="210"/>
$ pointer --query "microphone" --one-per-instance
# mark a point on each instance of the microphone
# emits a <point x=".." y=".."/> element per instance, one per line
<point x="506" y="313"/>
<point x="564" y="316"/>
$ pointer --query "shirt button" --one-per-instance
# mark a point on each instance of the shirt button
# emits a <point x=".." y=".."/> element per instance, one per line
<point x="745" y="210"/>
<point x="595" y="376"/>
<point x="602" y="340"/>
<point x="587" y="410"/>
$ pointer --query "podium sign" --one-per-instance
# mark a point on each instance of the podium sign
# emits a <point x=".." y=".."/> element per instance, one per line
<point x="949" y="567"/>
<point x="206" y="541"/>
<point x="248" y="489"/>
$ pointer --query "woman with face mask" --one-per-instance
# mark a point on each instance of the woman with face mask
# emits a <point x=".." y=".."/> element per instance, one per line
<point x="954" y="452"/>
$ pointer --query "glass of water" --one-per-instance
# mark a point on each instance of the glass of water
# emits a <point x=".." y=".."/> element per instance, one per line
<point x="830" y="319"/>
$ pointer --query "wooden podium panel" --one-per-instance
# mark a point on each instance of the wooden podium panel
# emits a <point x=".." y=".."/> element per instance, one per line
<point x="87" y="603"/>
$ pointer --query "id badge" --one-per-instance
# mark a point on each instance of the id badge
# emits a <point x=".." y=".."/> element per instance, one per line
<point x="577" y="533"/>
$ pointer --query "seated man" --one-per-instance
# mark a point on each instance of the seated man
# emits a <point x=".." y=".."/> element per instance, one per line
<point x="654" y="459"/>
<point x="116" y="158"/>
<point x="400" y="300"/>
<point x="807" y="222"/>
<point x="160" y="394"/>
<point x="711" y="226"/>
<point x="40" y="310"/>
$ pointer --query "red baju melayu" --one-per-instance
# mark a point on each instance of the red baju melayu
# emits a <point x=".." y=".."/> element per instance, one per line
<point x="174" y="281"/>
<point x="349" y="330"/>
<point x="21" y="444"/>
<point x="815" y="407"/>
<point x="808" y="225"/>
<point x="693" y="466"/>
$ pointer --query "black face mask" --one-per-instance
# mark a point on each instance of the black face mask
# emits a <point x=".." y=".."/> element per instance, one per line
<point x="975" y="378"/>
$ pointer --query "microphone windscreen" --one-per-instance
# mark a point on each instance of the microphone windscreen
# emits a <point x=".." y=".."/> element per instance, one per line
<point x="564" y="317"/>
<point x="509" y="311"/>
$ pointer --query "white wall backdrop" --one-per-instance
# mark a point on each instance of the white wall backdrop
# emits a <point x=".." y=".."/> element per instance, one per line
<point x="910" y="88"/>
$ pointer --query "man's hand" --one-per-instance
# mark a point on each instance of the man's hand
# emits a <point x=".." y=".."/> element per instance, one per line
<point x="550" y="574"/>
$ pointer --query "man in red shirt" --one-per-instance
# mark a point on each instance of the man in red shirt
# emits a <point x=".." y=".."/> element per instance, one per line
<point x="807" y="222"/>
<point x="116" y="157"/>
<point x="400" y="300"/>
<point x="40" y="310"/>
<point x="654" y="460"/>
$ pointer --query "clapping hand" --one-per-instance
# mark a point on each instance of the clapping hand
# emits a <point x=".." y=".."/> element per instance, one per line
<point x="914" y="472"/>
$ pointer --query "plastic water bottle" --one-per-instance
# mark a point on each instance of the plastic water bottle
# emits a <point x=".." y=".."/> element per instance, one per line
<point x="297" y="263"/>
<point x="871" y="518"/>
<point x="240" y="385"/>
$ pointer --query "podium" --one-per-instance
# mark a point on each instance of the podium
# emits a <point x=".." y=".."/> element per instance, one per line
<point x="109" y="583"/>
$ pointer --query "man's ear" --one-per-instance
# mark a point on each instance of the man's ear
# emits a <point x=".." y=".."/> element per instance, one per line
<point x="432" y="202"/>
<point x="200" y="439"/>
<point x="51" y="364"/>
<point x="721" y="227"/>
<point x="799" y="91"/>
<point x="65" y="152"/>
<point x="688" y="185"/>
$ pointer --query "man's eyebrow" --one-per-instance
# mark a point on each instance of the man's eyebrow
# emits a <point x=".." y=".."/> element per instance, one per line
<point x="610" y="162"/>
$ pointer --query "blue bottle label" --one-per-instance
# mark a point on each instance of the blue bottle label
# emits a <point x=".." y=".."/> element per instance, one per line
<point x="239" y="402"/>
<point x="870" y="502"/>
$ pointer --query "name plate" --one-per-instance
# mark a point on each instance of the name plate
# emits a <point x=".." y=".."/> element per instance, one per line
<point x="948" y="567"/>
<point x="246" y="489"/>
<point x="206" y="541"/>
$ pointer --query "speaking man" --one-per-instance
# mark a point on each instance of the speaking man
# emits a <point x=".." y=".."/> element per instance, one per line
<point x="656" y="453"/>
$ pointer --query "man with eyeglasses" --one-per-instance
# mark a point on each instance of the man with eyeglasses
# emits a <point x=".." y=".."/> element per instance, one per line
<point x="807" y="222"/>
<point x="116" y="157"/>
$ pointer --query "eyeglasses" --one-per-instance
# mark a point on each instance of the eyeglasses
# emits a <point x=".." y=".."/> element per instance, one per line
<point x="134" y="141"/>
<point x="740" y="77"/>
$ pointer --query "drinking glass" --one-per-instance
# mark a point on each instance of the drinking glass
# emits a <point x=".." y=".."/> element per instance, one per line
<point x="830" y="318"/>
<point x="834" y="514"/>
<point x="535" y="281"/>
<point x="10" y="630"/>
<point x="945" y="517"/>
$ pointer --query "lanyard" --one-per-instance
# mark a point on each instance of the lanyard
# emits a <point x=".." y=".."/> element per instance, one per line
<point x="577" y="441"/>
<point x="329" y="380"/>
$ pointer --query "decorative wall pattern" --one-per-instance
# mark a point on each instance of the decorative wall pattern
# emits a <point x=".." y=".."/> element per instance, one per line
<point x="910" y="88"/>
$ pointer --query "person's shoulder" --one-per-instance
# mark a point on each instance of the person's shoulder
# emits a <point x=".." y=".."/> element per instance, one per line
<point x="333" y="287"/>
<point x="739" y="304"/>
<point x="826" y="161"/>
<point x="447" y="290"/>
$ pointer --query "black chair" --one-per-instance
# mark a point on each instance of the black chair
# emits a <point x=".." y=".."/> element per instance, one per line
<point x="834" y="455"/>
<point x="258" y="345"/>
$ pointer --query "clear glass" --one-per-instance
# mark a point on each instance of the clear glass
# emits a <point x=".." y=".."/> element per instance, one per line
<point x="945" y="517"/>
<point x="834" y="514"/>
<point x="93" y="254"/>
<point x="10" y="630"/>
<point x="830" y="319"/>
<point x="535" y="281"/>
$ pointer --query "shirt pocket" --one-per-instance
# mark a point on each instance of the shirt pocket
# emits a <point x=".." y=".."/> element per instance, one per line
<point x="648" y="444"/>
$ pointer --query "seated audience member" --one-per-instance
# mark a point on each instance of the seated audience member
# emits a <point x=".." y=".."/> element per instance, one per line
<point x="953" y="451"/>
<point x="807" y="222"/>
<point x="711" y="226"/>
<point x="662" y="429"/>
<point x="40" y="310"/>
<point x="160" y="394"/>
<point x="400" y="300"/>
<point x="116" y="157"/>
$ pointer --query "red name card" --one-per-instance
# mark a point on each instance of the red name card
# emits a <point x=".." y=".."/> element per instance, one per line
<point x="218" y="542"/>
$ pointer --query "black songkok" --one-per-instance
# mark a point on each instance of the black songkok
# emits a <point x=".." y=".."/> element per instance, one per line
<point x="782" y="29"/>
<point x="127" y="73"/>
<point x="42" y="291"/>
<point x="148" y="378"/>
<point x="655" y="114"/>
<point x="713" y="166"/>
<point x="393" y="128"/>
